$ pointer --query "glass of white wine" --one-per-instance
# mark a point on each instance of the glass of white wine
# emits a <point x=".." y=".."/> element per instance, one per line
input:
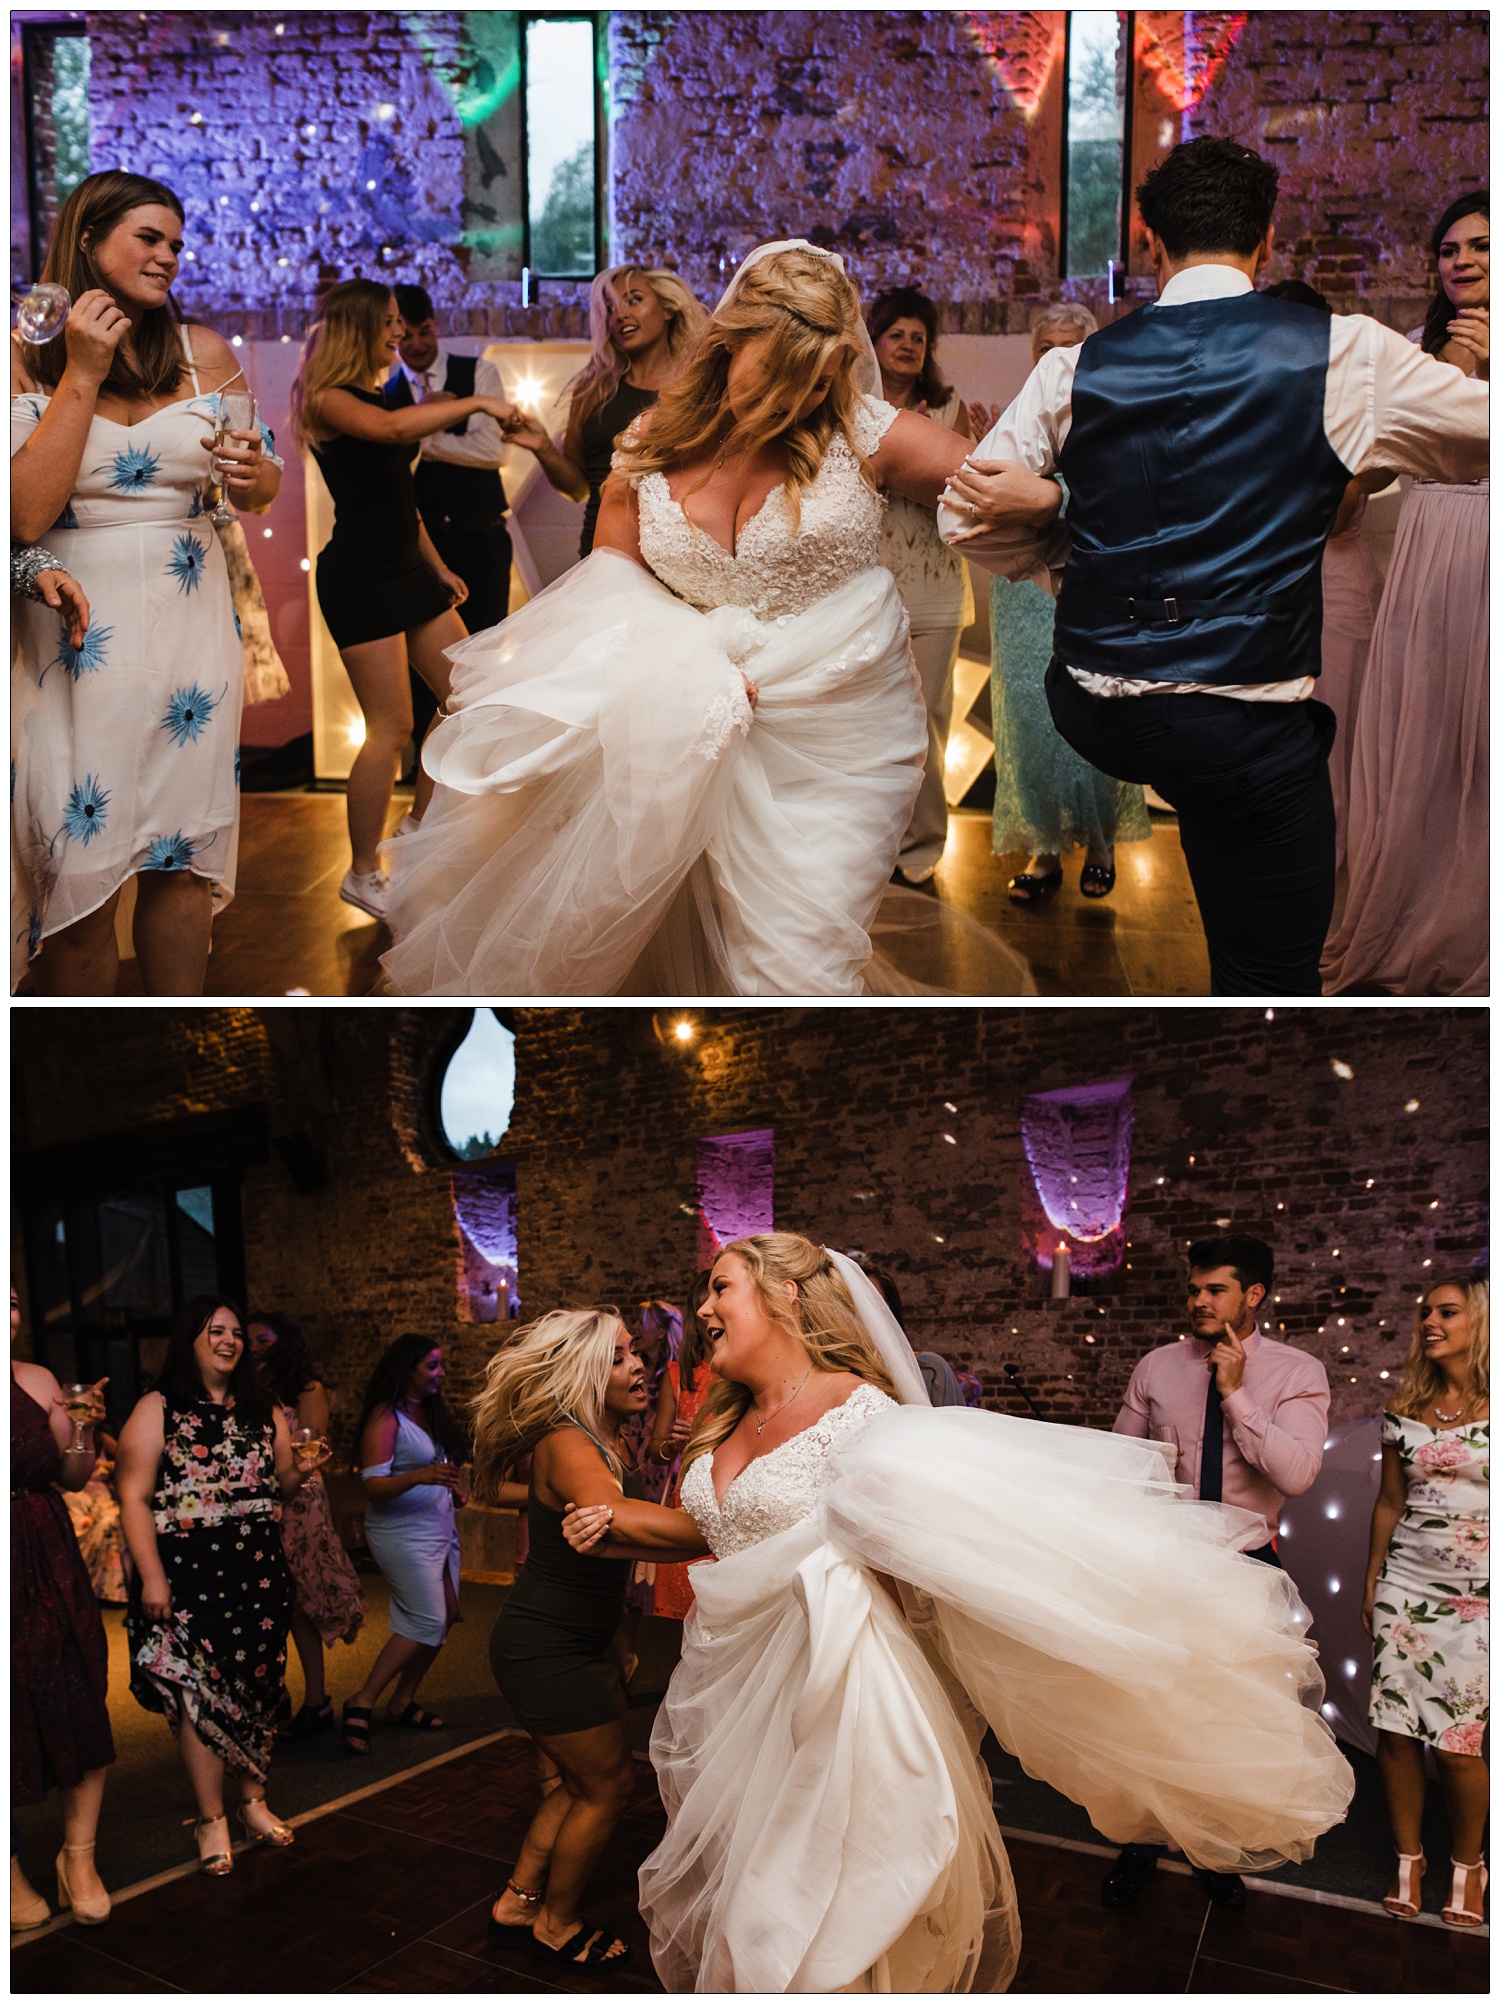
<point x="307" y="1446"/>
<point x="234" y="410"/>
<point x="42" y="313"/>
<point x="78" y="1404"/>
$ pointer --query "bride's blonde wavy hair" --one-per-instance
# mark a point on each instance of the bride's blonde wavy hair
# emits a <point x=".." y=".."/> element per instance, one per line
<point x="551" y="1371"/>
<point x="822" y="1317"/>
<point x="811" y="310"/>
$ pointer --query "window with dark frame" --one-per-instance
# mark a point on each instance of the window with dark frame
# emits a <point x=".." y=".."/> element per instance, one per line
<point x="53" y="117"/>
<point x="1096" y="143"/>
<point x="562" y="145"/>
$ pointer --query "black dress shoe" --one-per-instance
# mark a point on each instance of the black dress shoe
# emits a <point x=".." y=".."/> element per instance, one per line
<point x="1029" y="890"/>
<point x="1225" y="1889"/>
<point x="1096" y="881"/>
<point x="1123" y="1886"/>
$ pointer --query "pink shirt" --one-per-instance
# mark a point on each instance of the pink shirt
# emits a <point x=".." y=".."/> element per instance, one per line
<point x="1274" y="1425"/>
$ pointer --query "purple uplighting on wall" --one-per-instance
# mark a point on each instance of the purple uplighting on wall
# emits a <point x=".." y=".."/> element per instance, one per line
<point x="1077" y="1141"/>
<point x="735" y="1188"/>
<point x="484" y="1206"/>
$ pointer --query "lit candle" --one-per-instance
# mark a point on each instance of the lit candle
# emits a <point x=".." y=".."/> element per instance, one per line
<point x="1062" y="1279"/>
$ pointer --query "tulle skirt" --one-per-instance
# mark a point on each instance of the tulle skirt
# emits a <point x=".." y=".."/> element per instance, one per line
<point x="1416" y="919"/>
<point x="612" y="817"/>
<point x="829" y="1826"/>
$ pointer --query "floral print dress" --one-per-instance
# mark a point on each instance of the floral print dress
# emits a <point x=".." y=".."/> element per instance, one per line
<point x="219" y="1657"/>
<point x="125" y="750"/>
<point x="1432" y="1600"/>
<point x="323" y="1576"/>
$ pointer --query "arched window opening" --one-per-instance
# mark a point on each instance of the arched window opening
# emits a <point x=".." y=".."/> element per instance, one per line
<point x="477" y="1090"/>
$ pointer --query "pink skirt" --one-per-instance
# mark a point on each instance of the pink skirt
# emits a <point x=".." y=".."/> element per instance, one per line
<point x="1351" y="600"/>
<point x="1416" y="917"/>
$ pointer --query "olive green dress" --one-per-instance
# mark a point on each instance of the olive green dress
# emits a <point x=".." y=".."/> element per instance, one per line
<point x="551" y="1647"/>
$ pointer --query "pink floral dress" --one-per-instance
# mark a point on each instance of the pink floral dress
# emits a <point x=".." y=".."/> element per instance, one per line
<point x="327" y="1586"/>
<point x="1432" y="1600"/>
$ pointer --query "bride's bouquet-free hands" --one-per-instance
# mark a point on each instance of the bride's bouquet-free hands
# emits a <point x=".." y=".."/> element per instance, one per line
<point x="584" y="1526"/>
<point x="1000" y="494"/>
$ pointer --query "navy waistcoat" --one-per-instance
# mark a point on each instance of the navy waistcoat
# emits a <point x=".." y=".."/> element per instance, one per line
<point x="453" y="499"/>
<point x="1203" y="488"/>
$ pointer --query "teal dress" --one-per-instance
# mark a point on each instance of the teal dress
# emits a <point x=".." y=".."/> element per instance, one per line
<point x="1047" y="799"/>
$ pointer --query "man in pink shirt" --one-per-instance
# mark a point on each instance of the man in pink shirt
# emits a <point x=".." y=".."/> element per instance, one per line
<point x="1248" y="1417"/>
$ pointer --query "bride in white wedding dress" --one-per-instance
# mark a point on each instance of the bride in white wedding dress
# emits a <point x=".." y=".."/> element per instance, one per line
<point x="686" y="767"/>
<point x="888" y="1578"/>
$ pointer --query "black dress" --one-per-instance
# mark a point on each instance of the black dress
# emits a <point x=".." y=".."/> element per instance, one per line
<point x="372" y="579"/>
<point x="219" y="1656"/>
<point x="550" y="1647"/>
<point x="59" y="1660"/>
<point x="599" y="431"/>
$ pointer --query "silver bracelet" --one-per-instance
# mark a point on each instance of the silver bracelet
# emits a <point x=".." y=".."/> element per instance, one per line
<point x="27" y="562"/>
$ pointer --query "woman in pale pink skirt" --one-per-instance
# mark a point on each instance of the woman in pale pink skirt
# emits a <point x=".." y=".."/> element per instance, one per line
<point x="1416" y="917"/>
<point x="1352" y="585"/>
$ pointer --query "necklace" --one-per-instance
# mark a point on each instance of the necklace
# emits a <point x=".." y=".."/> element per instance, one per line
<point x="1448" y="1419"/>
<point x="760" y="1424"/>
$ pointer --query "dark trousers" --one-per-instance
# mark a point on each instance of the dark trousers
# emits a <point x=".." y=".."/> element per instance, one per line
<point x="483" y="562"/>
<point x="1254" y="807"/>
<point x="1267" y="1555"/>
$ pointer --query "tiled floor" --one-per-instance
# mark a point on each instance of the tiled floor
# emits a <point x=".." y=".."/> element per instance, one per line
<point x="287" y="928"/>
<point x="390" y="1893"/>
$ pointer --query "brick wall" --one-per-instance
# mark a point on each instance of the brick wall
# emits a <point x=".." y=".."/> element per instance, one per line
<point x="1235" y="1117"/>
<point x="925" y="146"/>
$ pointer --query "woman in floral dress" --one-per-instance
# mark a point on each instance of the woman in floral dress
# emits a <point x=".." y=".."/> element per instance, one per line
<point x="330" y="1603"/>
<point x="126" y="745"/>
<point x="204" y="1461"/>
<point x="1427" y="1593"/>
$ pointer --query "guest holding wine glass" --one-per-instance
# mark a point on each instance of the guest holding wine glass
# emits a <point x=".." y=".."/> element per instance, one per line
<point x="330" y="1603"/>
<point x="1427" y="1594"/>
<point x="641" y="325"/>
<point x="126" y="742"/>
<point x="387" y="596"/>
<point x="59" y="1661"/>
<point x="410" y="1451"/>
<point x="205" y="1458"/>
<point x="1419" y="813"/>
<point x="932" y="579"/>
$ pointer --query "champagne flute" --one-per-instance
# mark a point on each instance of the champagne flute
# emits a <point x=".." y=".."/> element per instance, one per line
<point x="78" y="1404"/>
<point x="42" y="313"/>
<point x="307" y="1446"/>
<point x="234" y="410"/>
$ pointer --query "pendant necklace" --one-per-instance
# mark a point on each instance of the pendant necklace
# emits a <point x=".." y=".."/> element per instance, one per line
<point x="1448" y="1419"/>
<point x="760" y="1424"/>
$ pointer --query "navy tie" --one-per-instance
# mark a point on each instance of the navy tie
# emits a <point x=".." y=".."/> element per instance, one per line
<point x="1211" y="1468"/>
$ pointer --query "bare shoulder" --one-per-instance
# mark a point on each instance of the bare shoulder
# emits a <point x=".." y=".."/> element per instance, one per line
<point x="36" y="1381"/>
<point x="146" y="1422"/>
<point x="212" y="355"/>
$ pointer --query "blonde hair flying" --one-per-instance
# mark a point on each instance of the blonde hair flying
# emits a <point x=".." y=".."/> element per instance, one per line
<point x="341" y="351"/>
<point x="551" y="1372"/>
<point x="810" y="309"/>
<point x="601" y="375"/>
<point x="1421" y="1380"/>
<point x="822" y="1317"/>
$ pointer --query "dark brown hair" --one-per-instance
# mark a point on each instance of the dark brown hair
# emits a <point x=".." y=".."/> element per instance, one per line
<point x="905" y="302"/>
<point x="96" y="207"/>
<point x="1442" y="309"/>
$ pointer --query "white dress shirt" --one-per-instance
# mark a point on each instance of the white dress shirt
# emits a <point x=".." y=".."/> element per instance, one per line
<point x="481" y="442"/>
<point x="1385" y="403"/>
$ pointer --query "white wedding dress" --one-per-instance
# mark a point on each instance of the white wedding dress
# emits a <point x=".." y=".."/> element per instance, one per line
<point x="829" y="1823"/>
<point x="612" y="817"/>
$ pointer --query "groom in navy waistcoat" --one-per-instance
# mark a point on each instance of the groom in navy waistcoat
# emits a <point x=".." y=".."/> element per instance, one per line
<point x="1182" y="470"/>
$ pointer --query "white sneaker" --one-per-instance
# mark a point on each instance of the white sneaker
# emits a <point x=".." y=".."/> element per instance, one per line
<point x="369" y="893"/>
<point x="408" y="825"/>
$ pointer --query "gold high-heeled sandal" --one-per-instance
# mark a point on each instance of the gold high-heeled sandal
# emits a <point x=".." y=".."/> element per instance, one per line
<point x="27" y="1907"/>
<point x="1405" y="1903"/>
<point x="88" y="1912"/>
<point x="280" y="1834"/>
<point x="1456" y="1913"/>
<point x="217" y="1864"/>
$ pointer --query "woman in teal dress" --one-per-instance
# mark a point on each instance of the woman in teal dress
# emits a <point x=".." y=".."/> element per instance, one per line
<point x="1047" y="799"/>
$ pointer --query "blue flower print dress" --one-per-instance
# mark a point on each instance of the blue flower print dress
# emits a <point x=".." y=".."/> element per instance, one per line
<point x="125" y="750"/>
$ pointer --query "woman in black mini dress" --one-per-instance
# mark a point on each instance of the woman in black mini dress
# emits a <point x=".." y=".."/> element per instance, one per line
<point x="385" y="593"/>
<point x="563" y="1390"/>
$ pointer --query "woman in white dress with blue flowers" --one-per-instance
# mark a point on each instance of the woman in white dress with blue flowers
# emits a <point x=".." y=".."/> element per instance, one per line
<point x="125" y="748"/>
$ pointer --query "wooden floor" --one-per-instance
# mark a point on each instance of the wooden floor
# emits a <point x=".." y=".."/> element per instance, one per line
<point x="391" y="1893"/>
<point x="287" y="930"/>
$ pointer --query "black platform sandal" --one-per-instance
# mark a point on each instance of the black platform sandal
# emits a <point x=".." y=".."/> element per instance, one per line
<point x="596" y="1954"/>
<point x="1097" y="881"/>
<point x="418" y="1720"/>
<point x="1029" y="890"/>
<point x="311" y="1720"/>
<point x="514" y="1934"/>
<point x="357" y="1727"/>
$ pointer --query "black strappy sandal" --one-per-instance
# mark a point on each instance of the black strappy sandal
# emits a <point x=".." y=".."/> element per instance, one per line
<point x="418" y="1720"/>
<point x="357" y="1727"/>
<point x="1097" y="880"/>
<point x="596" y="1955"/>
<point x="1029" y="890"/>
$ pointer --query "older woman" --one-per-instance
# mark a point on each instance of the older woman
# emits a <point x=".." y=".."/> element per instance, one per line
<point x="1416" y="917"/>
<point x="1047" y="799"/>
<point x="1427" y="1594"/>
<point x="126" y="742"/>
<point x="932" y="579"/>
<point x="565" y="1390"/>
<point x="641" y="324"/>
<point x="204" y="1460"/>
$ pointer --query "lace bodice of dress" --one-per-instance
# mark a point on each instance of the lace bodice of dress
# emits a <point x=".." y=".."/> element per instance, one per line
<point x="778" y="570"/>
<point x="782" y="1487"/>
